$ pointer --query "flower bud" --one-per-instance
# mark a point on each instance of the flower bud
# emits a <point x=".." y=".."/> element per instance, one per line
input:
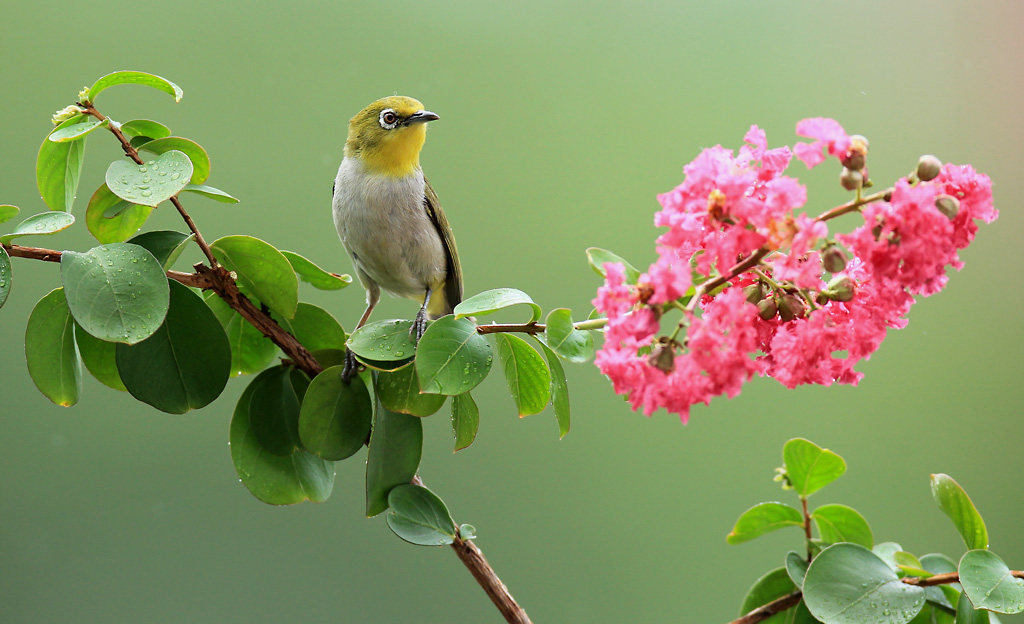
<point x="834" y="259"/>
<point x="841" y="288"/>
<point x="66" y="113"/>
<point x="767" y="309"/>
<point x="663" y="357"/>
<point x="928" y="168"/>
<point x="83" y="95"/>
<point x="856" y="157"/>
<point x="791" y="307"/>
<point x="851" y="180"/>
<point x="948" y="205"/>
<point x="754" y="292"/>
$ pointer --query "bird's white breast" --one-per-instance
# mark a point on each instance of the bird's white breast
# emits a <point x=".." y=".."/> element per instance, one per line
<point x="385" y="228"/>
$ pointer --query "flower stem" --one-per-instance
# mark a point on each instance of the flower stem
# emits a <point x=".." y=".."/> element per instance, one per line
<point x="853" y="205"/>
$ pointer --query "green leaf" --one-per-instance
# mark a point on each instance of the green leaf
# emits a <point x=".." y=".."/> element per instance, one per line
<point x="152" y="182"/>
<point x="452" y="358"/>
<point x="117" y="292"/>
<point x="6" y="276"/>
<point x="165" y="245"/>
<point x="59" y="166"/>
<point x="40" y="224"/>
<point x="491" y="301"/>
<point x="134" y="77"/>
<point x="848" y="584"/>
<point x="100" y="358"/>
<point x="909" y="564"/>
<point x="262" y="270"/>
<point x="763" y="518"/>
<point x="396" y="446"/>
<point x="76" y="131"/>
<point x="8" y="212"/>
<point x="329" y="357"/>
<point x="989" y="584"/>
<point x="796" y="567"/>
<point x="275" y="479"/>
<point x="251" y="351"/>
<point x="383" y="341"/>
<point x="955" y="503"/>
<point x="771" y="586"/>
<point x="274" y="411"/>
<point x="597" y="258"/>
<point x="526" y="374"/>
<point x="886" y="551"/>
<point x="967" y="614"/>
<point x="559" y="390"/>
<point x="196" y="154"/>
<point x="125" y="217"/>
<point x="314" y="275"/>
<point x="315" y="328"/>
<point x="51" y="351"/>
<point x="839" y="523"/>
<point x="399" y="391"/>
<point x="465" y="420"/>
<point x="210" y="192"/>
<point x="565" y="340"/>
<point x="145" y="128"/>
<point x="335" y="418"/>
<point x="467" y="531"/>
<point x="419" y="516"/>
<point x="810" y="467"/>
<point x="185" y="364"/>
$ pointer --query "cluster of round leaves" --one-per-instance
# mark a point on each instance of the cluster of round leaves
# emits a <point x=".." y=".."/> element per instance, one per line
<point x="283" y="416"/>
<point x="851" y="579"/>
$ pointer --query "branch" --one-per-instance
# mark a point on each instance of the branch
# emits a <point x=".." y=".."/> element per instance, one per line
<point x="132" y="153"/>
<point x="473" y="559"/>
<point x="764" y="612"/>
<point x="220" y="281"/>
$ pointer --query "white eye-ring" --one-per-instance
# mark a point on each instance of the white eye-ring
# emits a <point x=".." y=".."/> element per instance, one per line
<point x="388" y="119"/>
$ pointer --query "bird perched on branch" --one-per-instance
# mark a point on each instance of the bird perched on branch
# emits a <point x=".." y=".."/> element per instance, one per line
<point x="388" y="216"/>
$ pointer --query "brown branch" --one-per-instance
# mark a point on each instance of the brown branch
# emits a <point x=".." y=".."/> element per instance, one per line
<point x="764" y="612"/>
<point x="219" y="280"/>
<point x="526" y="328"/>
<point x="807" y="529"/>
<point x="132" y="153"/>
<point x="474" y="560"/>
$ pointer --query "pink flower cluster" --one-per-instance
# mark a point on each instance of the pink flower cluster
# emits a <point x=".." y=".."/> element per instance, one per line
<point x="732" y="223"/>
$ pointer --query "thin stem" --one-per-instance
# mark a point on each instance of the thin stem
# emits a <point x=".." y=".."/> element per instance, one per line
<point x="132" y="153"/>
<point x="807" y="528"/>
<point x="774" y="607"/>
<point x="853" y="205"/>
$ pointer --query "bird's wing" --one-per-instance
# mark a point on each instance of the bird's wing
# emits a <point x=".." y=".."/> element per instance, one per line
<point x="453" y="283"/>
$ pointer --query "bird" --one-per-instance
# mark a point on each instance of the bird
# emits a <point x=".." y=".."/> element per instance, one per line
<point x="389" y="218"/>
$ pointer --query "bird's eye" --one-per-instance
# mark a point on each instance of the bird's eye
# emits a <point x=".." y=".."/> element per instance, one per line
<point x="388" y="119"/>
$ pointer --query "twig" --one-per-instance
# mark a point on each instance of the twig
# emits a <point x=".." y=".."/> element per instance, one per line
<point x="219" y="280"/>
<point x="132" y="153"/>
<point x="764" y="612"/>
<point x="473" y="559"/>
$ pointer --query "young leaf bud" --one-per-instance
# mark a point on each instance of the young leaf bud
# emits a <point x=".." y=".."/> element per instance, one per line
<point x="767" y="309"/>
<point x="850" y="179"/>
<point x="754" y="292"/>
<point x="663" y="357"/>
<point x="948" y="205"/>
<point x="841" y="288"/>
<point x="928" y="168"/>
<point x="791" y="307"/>
<point x="66" y="113"/>
<point x="834" y="259"/>
<point x="83" y="95"/>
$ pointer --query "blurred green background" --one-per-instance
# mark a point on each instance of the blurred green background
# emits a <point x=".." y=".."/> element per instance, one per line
<point x="560" y="124"/>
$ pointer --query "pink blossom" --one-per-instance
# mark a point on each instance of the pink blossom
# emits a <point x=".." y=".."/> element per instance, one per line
<point x="828" y="134"/>
<point x="802" y="265"/>
<point x="615" y="297"/>
<point x="670" y="277"/>
<point x="974" y="192"/>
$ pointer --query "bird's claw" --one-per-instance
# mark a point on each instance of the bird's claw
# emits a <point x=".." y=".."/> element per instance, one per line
<point x="351" y="366"/>
<point x="419" y="325"/>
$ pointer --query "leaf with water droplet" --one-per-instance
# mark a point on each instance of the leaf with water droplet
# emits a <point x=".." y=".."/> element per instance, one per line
<point x="448" y="345"/>
<point x="399" y="391"/>
<point x="336" y="416"/>
<point x="50" y="350"/>
<point x="40" y="224"/>
<point x="135" y="77"/>
<point x="196" y="154"/>
<point x="128" y="180"/>
<point x="111" y="219"/>
<point x="528" y="378"/>
<point x="99" y="296"/>
<point x="419" y="516"/>
<point x="262" y="270"/>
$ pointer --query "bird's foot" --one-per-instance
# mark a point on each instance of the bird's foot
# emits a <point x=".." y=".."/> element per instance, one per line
<point x="419" y="325"/>
<point x="351" y="366"/>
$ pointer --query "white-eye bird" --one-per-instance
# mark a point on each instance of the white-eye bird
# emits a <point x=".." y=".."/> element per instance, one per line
<point x="388" y="216"/>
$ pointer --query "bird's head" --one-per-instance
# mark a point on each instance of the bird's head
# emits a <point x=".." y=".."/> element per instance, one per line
<point x="388" y="135"/>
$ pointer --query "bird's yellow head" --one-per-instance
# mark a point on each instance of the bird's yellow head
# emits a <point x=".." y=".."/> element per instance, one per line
<point x="388" y="135"/>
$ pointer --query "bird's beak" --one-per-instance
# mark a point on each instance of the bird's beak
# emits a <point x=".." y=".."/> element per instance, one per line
<point x="421" y="117"/>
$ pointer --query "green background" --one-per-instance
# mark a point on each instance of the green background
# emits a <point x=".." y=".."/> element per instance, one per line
<point x="560" y="123"/>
